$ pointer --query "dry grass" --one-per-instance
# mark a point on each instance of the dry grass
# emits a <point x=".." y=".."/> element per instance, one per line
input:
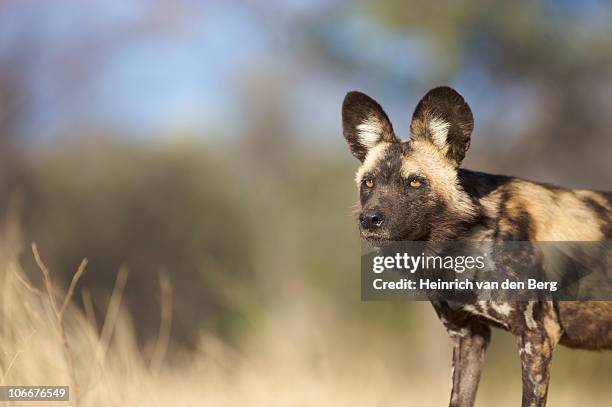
<point x="316" y="359"/>
<point x="60" y="312"/>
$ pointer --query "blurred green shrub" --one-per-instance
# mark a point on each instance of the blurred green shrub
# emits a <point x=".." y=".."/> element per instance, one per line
<point x="163" y="208"/>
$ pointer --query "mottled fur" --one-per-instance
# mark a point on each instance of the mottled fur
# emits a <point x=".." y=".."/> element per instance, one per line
<point x="421" y="193"/>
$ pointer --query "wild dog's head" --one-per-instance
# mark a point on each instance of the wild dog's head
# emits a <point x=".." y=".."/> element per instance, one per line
<point x="409" y="190"/>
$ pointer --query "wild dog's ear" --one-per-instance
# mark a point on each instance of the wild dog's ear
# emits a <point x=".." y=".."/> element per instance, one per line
<point x="445" y="119"/>
<point x="364" y="124"/>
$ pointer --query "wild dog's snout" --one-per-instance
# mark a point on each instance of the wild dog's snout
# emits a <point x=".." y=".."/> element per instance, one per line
<point x="371" y="219"/>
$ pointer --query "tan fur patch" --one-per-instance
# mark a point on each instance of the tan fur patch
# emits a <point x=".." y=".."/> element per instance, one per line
<point x="490" y="203"/>
<point x="556" y="215"/>
<point x="374" y="155"/>
<point x="427" y="160"/>
<point x="552" y="328"/>
<point x="529" y="319"/>
<point x="563" y="217"/>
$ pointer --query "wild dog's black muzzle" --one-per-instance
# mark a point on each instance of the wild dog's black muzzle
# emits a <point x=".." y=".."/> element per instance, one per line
<point x="371" y="219"/>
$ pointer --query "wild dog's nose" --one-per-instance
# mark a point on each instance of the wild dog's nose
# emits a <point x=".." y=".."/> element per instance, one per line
<point x="370" y="219"/>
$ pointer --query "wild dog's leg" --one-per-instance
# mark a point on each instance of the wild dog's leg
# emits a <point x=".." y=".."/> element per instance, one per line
<point x="470" y="339"/>
<point x="536" y="356"/>
<point x="470" y="344"/>
<point x="541" y="334"/>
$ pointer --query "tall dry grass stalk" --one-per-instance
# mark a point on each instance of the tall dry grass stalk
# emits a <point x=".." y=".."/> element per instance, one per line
<point x="59" y="313"/>
<point x="163" y="339"/>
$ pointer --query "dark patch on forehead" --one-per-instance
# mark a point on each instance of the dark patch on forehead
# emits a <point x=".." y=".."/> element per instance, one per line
<point x="389" y="166"/>
<point x="394" y="151"/>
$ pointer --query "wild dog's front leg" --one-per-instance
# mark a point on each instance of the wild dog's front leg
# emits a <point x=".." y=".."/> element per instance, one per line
<point x="541" y="334"/>
<point x="470" y="344"/>
<point x="536" y="357"/>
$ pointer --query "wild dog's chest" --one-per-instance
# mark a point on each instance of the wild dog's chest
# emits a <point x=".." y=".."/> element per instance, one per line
<point x="516" y="317"/>
<point x="500" y="313"/>
<point x="511" y="316"/>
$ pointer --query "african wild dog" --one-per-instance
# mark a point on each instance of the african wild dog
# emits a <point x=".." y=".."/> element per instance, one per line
<point x="414" y="190"/>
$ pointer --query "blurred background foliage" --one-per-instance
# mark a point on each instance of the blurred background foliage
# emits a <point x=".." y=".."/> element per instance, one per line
<point x="202" y="139"/>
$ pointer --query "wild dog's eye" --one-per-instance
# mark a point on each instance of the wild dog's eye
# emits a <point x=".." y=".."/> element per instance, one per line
<point x="415" y="182"/>
<point x="369" y="182"/>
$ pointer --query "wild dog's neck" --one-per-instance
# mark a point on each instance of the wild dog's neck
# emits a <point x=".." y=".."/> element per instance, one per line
<point x="463" y="217"/>
<point x="477" y="186"/>
<point x="457" y="220"/>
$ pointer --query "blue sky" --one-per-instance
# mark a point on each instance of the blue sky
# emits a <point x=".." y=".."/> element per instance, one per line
<point x="148" y="70"/>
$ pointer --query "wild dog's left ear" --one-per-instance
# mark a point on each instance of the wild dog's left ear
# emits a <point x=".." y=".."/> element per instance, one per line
<point x="364" y="124"/>
<point x="445" y="119"/>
